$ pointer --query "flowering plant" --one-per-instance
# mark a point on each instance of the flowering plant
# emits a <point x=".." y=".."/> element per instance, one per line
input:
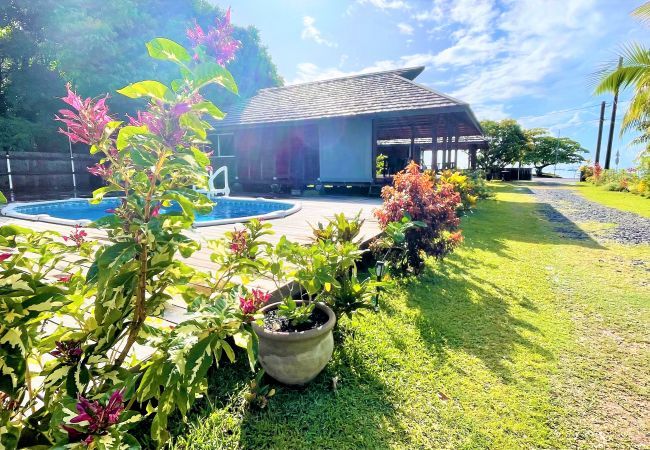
<point x="86" y="360"/>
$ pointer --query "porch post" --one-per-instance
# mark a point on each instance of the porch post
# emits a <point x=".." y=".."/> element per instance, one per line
<point x="373" y="146"/>
<point x="411" y="147"/>
<point x="456" y="148"/>
<point x="434" y="146"/>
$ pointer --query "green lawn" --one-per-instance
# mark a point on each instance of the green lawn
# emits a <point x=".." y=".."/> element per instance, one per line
<point x="619" y="200"/>
<point x="521" y="339"/>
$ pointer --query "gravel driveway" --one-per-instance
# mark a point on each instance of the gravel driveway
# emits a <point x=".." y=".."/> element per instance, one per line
<point x="565" y="207"/>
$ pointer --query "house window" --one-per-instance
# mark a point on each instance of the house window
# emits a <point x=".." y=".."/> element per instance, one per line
<point x="225" y="145"/>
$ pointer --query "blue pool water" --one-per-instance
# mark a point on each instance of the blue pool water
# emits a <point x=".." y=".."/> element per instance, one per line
<point x="225" y="208"/>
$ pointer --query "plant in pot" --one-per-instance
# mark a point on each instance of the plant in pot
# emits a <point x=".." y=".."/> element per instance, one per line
<point x="295" y="335"/>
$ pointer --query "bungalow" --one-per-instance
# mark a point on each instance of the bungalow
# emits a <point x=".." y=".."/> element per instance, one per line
<point x="334" y="131"/>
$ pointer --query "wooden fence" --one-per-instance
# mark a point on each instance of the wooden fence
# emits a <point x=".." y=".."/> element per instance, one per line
<point x="46" y="173"/>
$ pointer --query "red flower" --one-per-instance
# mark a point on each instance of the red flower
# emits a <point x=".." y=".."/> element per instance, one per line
<point x="64" y="278"/>
<point x="253" y="301"/>
<point x="238" y="242"/>
<point x="4" y="256"/>
<point x="100" y="170"/>
<point x="156" y="210"/>
<point x="218" y="41"/>
<point x="78" y="236"/>
<point x="69" y="352"/>
<point x="87" y="122"/>
<point x="98" y="417"/>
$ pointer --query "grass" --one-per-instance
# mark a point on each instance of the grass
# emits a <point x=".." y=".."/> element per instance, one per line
<point x="521" y="339"/>
<point x="624" y="201"/>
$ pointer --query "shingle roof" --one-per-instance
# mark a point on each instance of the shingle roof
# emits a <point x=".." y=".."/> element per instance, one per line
<point x="370" y="93"/>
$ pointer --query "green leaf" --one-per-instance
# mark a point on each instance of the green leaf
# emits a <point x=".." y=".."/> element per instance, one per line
<point x="211" y="72"/>
<point x="3" y="199"/>
<point x="191" y="121"/>
<point x="161" y="48"/>
<point x="198" y="359"/>
<point x="207" y="107"/>
<point x="142" y="157"/>
<point x="98" y="194"/>
<point x="147" y="88"/>
<point x="127" y="133"/>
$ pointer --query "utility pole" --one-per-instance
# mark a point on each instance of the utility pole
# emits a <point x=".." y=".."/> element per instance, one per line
<point x="600" y="132"/>
<point x="608" y="157"/>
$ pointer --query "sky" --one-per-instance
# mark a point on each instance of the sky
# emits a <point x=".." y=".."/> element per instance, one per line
<point x="531" y="60"/>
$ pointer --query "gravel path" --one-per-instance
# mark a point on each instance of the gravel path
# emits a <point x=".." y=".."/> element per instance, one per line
<point x="565" y="208"/>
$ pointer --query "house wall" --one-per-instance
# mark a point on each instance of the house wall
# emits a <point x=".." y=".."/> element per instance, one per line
<point x="345" y="147"/>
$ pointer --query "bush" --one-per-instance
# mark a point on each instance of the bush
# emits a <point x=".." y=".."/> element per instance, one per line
<point x="413" y="195"/>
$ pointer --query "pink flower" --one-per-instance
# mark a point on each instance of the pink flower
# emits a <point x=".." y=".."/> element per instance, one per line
<point x="64" y="278"/>
<point x="238" y="242"/>
<point x="218" y="41"/>
<point x="86" y="121"/>
<point x="172" y="134"/>
<point x="4" y="256"/>
<point x="156" y="210"/>
<point x="98" y="417"/>
<point x="69" y="352"/>
<point x="78" y="236"/>
<point x="100" y="170"/>
<point x="254" y="301"/>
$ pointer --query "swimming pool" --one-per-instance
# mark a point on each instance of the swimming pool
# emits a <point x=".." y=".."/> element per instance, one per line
<point x="79" y="211"/>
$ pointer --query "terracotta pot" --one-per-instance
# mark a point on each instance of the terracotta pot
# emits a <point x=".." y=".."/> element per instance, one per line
<point x="296" y="358"/>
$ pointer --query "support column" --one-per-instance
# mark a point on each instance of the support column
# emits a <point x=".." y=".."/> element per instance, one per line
<point x="411" y="146"/>
<point x="434" y="146"/>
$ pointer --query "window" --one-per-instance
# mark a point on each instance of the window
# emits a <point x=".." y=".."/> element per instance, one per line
<point x="225" y="145"/>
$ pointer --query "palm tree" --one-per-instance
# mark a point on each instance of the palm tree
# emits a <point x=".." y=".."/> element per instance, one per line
<point x="633" y="72"/>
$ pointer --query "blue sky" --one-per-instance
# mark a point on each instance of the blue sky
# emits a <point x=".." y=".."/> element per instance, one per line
<point x="526" y="59"/>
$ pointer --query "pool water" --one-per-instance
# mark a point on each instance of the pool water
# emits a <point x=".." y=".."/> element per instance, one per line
<point x="225" y="210"/>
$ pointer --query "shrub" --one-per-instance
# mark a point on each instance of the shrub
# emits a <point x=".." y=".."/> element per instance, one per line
<point x="84" y="356"/>
<point x="413" y="194"/>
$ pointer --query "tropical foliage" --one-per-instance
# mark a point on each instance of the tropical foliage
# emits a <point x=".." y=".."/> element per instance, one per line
<point x="634" y="72"/>
<point x="544" y="150"/>
<point x="634" y="180"/>
<point x="96" y="45"/>
<point x="507" y="143"/>
<point x="415" y="196"/>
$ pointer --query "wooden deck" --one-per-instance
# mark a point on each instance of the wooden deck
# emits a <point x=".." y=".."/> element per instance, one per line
<point x="295" y="227"/>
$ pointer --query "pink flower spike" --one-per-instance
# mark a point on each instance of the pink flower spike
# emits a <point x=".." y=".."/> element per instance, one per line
<point x="4" y="256"/>
<point x="64" y="278"/>
<point x="87" y="124"/>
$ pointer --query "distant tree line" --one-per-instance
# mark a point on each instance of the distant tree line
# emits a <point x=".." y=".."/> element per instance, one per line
<point x="510" y="145"/>
<point x="46" y="43"/>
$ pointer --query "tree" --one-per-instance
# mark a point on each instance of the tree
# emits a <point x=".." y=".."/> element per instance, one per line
<point x="544" y="150"/>
<point x="634" y="72"/>
<point x="44" y="43"/>
<point x="507" y="143"/>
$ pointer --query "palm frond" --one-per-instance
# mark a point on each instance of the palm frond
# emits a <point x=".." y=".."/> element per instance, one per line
<point x="635" y="69"/>
<point x="643" y="12"/>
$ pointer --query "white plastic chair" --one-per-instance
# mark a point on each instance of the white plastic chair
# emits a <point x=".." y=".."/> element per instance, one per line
<point x="212" y="190"/>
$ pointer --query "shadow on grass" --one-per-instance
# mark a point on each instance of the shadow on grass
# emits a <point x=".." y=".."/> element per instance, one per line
<point x="513" y="221"/>
<point x="358" y="413"/>
<point x="461" y="311"/>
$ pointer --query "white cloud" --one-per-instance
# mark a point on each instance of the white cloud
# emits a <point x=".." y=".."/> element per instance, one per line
<point x="310" y="32"/>
<point x="385" y="4"/>
<point x="494" y="53"/>
<point x="405" y="28"/>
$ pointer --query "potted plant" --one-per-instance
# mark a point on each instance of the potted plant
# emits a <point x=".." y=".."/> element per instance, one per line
<point x="295" y="335"/>
<point x="295" y="340"/>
